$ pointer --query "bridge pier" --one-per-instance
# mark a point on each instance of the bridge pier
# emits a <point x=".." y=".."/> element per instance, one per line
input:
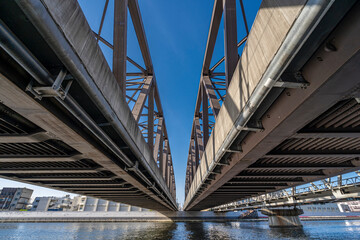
<point x="283" y="218"/>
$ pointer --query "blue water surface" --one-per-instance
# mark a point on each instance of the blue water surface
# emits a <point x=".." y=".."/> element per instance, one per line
<point x="181" y="230"/>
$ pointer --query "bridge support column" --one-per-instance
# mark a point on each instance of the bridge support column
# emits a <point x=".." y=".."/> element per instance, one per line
<point x="283" y="218"/>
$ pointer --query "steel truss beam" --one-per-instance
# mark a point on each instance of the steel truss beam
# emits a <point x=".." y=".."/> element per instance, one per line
<point x="213" y="85"/>
<point x="23" y="160"/>
<point x="311" y="137"/>
<point x="141" y="92"/>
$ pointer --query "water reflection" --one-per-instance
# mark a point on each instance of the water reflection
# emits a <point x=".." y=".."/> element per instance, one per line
<point x="295" y="233"/>
<point x="179" y="231"/>
<point x="195" y="230"/>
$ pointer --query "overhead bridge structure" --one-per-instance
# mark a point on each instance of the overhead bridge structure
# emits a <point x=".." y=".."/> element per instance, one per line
<point x="286" y="111"/>
<point x="70" y="122"/>
<point x="319" y="192"/>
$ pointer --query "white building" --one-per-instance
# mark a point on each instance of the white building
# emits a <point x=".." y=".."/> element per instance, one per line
<point x="41" y="204"/>
<point x="353" y="206"/>
<point x="14" y="199"/>
<point x="90" y="204"/>
<point x="52" y="204"/>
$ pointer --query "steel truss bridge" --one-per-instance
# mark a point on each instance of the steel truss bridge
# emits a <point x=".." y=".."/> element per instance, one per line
<point x="285" y="111"/>
<point x="325" y="191"/>
<point x="70" y="122"/>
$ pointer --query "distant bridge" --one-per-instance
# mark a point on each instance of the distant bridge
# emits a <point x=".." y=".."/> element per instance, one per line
<point x="324" y="192"/>
<point x="68" y="121"/>
<point x="284" y="113"/>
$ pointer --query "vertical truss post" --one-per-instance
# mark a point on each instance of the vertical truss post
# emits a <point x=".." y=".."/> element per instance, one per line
<point x="187" y="179"/>
<point x="170" y="174"/>
<point x="193" y="158"/>
<point x="196" y="144"/>
<point x="214" y="102"/>
<point x="205" y="116"/>
<point x="199" y="139"/>
<point x="164" y="161"/>
<point x="230" y="39"/>
<point x="190" y="168"/>
<point x="158" y="148"/>
<point x="339" y="181"/>
<point x="174" y="185"/>
<point x="168" y="170"/>
<point x="171" y="181"/>
<point x="140" y="102"/>
<point x="151" y="119"/>
<point x="120" y="43"/>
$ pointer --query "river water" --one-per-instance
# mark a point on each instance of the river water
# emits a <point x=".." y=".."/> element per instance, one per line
<point x="180" y="230"/>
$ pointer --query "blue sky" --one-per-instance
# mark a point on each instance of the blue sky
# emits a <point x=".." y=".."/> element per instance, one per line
<point x="176" y="33"/>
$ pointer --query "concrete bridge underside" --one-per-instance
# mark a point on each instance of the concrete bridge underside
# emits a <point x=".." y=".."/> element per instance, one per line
<point x="307" y="125"/>
<point x="85" y="142"/>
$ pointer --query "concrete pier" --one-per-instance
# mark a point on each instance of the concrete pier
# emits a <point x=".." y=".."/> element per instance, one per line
<point x="283" y="218"/>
